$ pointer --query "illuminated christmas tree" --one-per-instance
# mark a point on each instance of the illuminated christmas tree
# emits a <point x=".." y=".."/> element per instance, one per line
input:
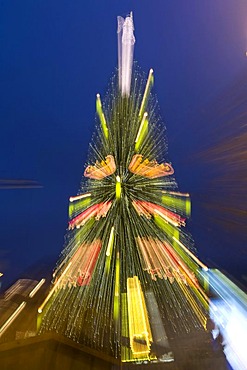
<point x="127" y="280"/>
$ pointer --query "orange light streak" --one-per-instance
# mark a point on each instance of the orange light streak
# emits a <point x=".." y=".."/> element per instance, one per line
<point x="101" y="169"/>
<point x="140" y="209"/>
<point x="143" y="208"/>
<point x="82" y="265"/>
<point x="150" y="169"/>
<point x="160" y="259"/>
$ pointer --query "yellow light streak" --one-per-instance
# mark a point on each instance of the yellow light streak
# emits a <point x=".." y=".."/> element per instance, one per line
<point x="1" y="274"/>
<point x="118" y="187"/>
<point x="109" y="251"/>
<point x="201" y="296"/>
<point x="75" y="208"/>
<point x="125" y="352"/>
<point x="148" y="87"/>
<point x="12" y="318"/>
<point x="171" y="200"/>
<point x="36" y="288"/>
<point x="139" y="327"/>
<point x="202" y="318"/>
<point x="40" y="309"/>
<point x="110" y="242"/>
<point x="116" y="292"/>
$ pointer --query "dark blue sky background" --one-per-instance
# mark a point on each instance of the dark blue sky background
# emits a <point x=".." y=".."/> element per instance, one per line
<point x="56" y="55"/>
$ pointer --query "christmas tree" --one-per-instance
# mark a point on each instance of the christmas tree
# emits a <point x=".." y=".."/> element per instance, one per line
<point x="127" y="282"/>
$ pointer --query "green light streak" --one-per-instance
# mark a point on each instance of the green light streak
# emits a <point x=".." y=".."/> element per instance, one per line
<point x="143" y="130"/>
<point x="76" y="207"/>
<point x="101" y="116"/>
<point x="172" y="234"/>
<point x="116" y="294"/>
<point x="182" y="204"/>
<point x="146" y="94"/>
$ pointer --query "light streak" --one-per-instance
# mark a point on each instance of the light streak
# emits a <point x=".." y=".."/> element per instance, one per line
<point x="40" y="309"/>
<point x="101" y="116"/>
<point x="125" y="327"/>
<point x="84" y="216"/>
<point x="191" y="254"/>
<point x="194" y="305"/>
<point x="110" y="243"/>
<point x="126" y="41"/>
<point x="101" y="169"/>
<point x="36" y="288"/>
<point x="140" y="209"/>
<point x="228" y="311"/>
<point x="164" y="215"/>
<point x="117" y="289"/>
<point x="86" y="264"/>
<point x="82" y="265"/>
<point x="118" y="187"/>
<point x="19" y="184"/>
<point x="177" y="201"/>
<point x="97" y="211"/>
<point x="102" y="212"/>
<point x="77" y="206"/>
<point x="78" y="197"/>
<point x="146" y="94"/>
<point x="143" y="130"/>
<point x="21" y="287"/>
<point x="155" y="209"/>
<point x="150" y="169"/>
<point x="139" y="328"/>
<point x="14" y="315"/>
<point x="160" y="259"/>
<point x="176" y="193"/>
<point x="12" y="290"/>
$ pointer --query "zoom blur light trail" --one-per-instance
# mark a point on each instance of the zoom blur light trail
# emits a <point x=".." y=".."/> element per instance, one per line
<point x="126" y="249"/>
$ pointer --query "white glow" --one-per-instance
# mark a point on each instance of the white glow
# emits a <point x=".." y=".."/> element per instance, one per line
<point x="36" y="288"/>
<point x="81" y="196"/>
<point x="126" y="41"/>
<point x="229" y="313"/>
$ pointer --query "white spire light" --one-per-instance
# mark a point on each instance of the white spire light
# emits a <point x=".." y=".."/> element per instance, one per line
<point x="126" y="41"/>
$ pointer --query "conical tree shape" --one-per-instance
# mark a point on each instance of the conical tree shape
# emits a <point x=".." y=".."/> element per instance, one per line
<point x="126" y="279"/>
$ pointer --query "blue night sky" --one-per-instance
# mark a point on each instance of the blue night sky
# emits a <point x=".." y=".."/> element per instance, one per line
<point x="56" y="55"/>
